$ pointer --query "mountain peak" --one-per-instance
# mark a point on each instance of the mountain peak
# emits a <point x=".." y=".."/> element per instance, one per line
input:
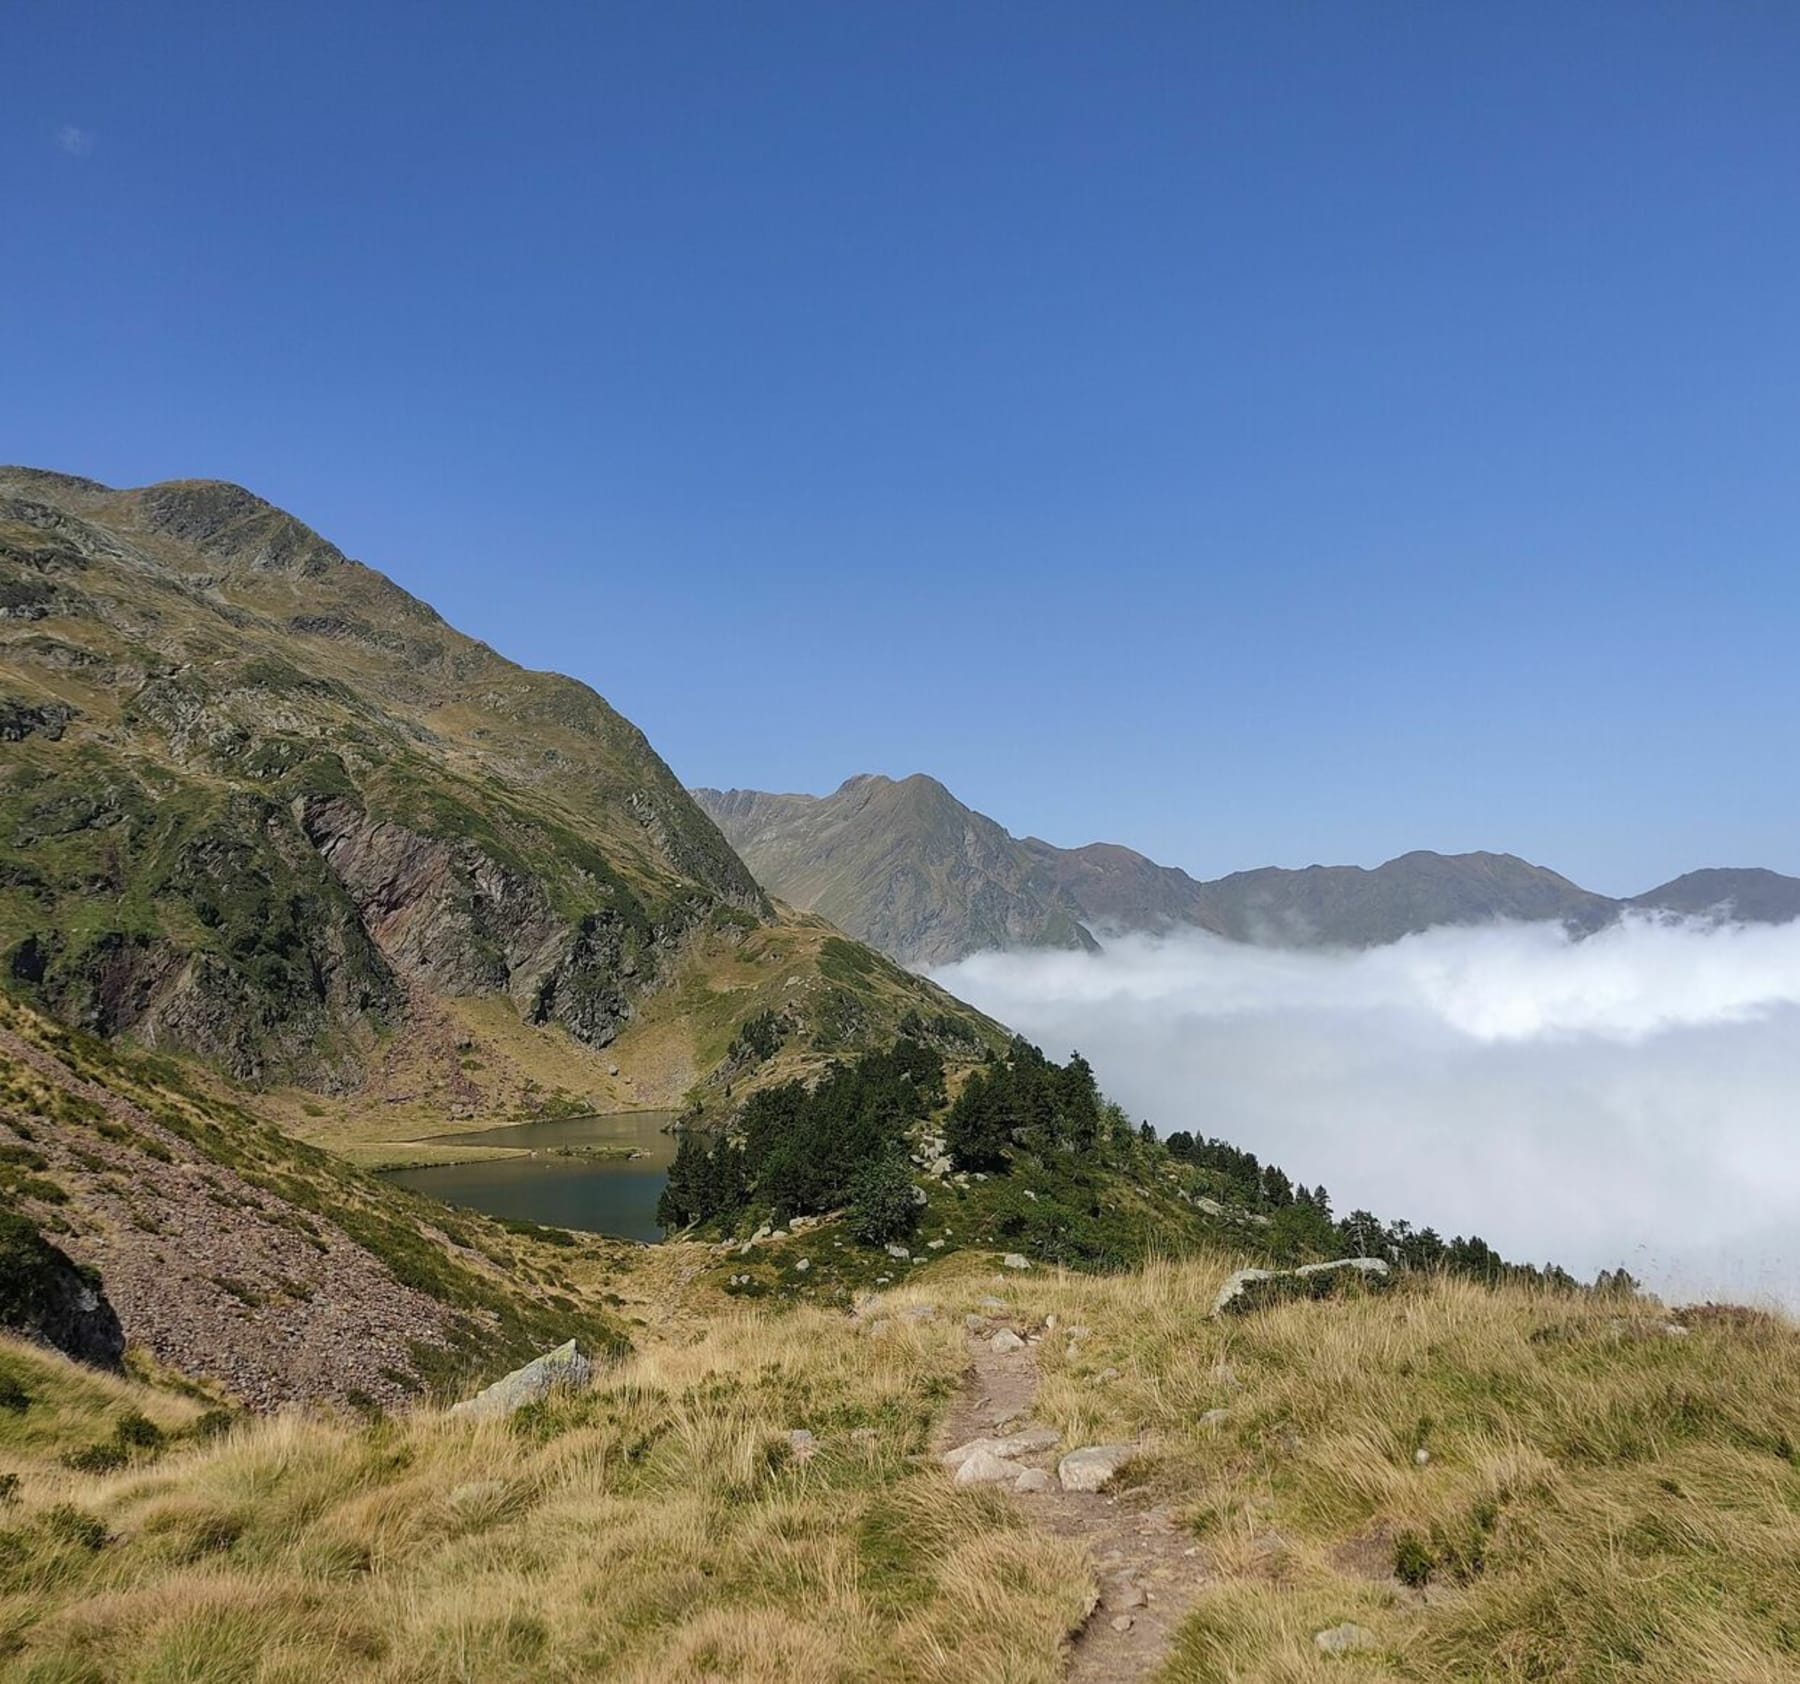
<point x="228" y="522"/>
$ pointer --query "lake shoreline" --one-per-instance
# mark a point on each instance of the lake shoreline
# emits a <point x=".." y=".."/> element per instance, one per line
<point x="597" y="1172"/>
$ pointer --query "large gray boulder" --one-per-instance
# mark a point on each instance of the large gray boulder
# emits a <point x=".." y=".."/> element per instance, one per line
<point x="565" y="1366"/>
<point x="1256" y="1289"/>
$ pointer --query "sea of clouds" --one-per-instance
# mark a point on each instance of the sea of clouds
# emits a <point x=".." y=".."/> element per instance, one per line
<point x="1631" y="1098"/>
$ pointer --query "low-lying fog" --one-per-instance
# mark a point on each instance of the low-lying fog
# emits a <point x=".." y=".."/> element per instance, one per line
<point x="1632" y="1098"/>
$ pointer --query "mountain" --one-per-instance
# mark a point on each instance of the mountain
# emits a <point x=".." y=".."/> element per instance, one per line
<point x="900" y="864"/>
<point x="1746" y="895"/>
<point x="260" y="805"/>
<point x="1348" y="906"/>
<point x="908" y="868"/>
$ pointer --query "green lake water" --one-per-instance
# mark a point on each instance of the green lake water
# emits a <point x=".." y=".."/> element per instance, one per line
<point x="599" y="1195"/>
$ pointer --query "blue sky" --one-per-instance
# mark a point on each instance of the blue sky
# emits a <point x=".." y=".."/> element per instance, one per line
<point x="1258" y="433"/>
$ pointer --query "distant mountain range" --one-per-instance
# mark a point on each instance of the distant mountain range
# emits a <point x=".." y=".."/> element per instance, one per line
<point x="905" y="866"/>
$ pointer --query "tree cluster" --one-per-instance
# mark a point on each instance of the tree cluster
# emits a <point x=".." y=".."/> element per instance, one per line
<point x="1024" y="1100"/>
<point x="799" y="1151"/>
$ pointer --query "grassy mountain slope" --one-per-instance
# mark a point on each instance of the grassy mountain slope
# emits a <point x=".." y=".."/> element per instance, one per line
<point x="1598" y="1499"/>
<point x="259" y="804"/>
<point x="900" y="864"/>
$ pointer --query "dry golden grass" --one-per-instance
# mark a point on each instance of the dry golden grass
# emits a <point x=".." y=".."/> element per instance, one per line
<point x="1601" y="1501"/>
<point x="655" y="1527"/>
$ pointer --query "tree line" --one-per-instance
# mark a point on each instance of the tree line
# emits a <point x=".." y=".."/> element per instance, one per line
<point x="842" y="1143"/>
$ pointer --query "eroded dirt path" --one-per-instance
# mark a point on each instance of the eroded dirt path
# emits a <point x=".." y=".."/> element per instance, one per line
<point x="1149" y="1571"/>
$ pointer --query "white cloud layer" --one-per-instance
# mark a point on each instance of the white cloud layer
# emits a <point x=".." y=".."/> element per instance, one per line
<point x="1633" y="1098"/>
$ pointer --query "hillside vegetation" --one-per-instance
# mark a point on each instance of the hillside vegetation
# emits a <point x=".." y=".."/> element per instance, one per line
<point x="1485" y="1483"/>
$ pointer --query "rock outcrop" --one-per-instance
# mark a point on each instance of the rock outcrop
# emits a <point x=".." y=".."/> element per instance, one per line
<point x="1256" y="1289"/>
<point x="45" y="1295"/>
<point x="564" y="1367"/>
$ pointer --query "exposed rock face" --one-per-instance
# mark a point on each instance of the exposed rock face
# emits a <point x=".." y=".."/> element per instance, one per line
<point x="451" y="917"/>
<point x="45" y="1295"/>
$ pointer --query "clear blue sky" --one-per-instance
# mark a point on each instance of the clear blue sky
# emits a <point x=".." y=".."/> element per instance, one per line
<point x="1259" y="433"/>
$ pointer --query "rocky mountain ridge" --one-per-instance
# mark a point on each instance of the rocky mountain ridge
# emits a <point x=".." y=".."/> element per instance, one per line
<point x="905" y="866"/>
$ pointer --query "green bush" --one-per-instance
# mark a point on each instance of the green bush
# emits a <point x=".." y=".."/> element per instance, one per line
<point x="882" y="1203"/>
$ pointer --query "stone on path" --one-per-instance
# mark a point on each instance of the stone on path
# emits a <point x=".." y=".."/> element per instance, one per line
<point x="1124" y="1593"/>
<point x="1092" y="1467"/>
<point x="985" y="1468"/>
<point x="1033" y="1482"/>
<point x="1341" y="1640"/>
<point x="1006" y="1340"/>
<point x="1123" y="1623"/>
<point x="565" y="1366"/>
<point x="1027" y="1443"/>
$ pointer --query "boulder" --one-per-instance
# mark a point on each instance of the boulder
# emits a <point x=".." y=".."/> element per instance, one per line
<point x="1012" y="1260"/>
<point x="1026" y="1443"/>
<point x="985" y="1468"/>
<point x="1092" y="1467"/>
<point x="1256" y="1289"/>
<point x="565" y="1366"/>
<point x="1034" y="1481"/>
<point x="1005" y="1341"/>
<point x="1345" y="1638"/>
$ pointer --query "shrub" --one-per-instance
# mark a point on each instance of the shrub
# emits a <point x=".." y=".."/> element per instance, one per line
<point x="1413" y="1560"/>
<point x="882" y="1204"/>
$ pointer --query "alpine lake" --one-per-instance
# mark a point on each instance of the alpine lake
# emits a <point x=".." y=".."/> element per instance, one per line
<point x="600" y="1174"/>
